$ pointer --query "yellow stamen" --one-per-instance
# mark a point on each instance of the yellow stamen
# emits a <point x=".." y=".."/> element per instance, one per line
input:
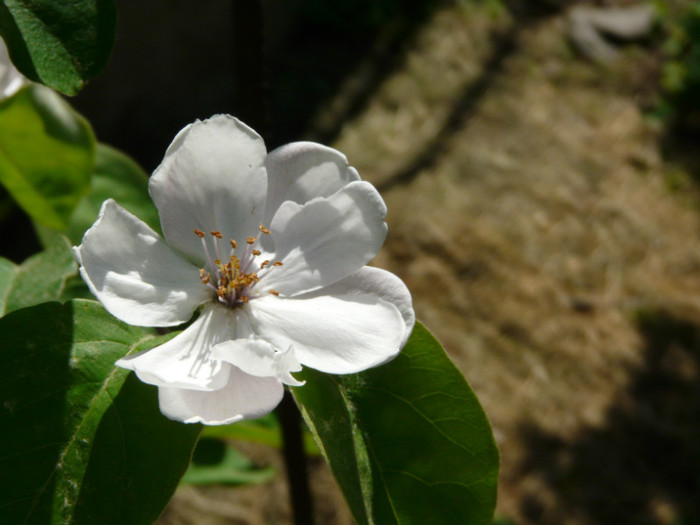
<point x="251" y="240"/>
<point x="199" y="233"/>
<point x="264" y="230"/>
<point x="264" y="263"/>
<point x="277" y="263"/>
<point x="216" y="234"/>
<point x="234" y="244"/>
<point x="256" y="252"/>
<point x="273" y="291"/>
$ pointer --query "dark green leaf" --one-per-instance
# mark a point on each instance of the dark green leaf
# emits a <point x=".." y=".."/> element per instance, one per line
<point x="39" y="279"/>
<point x="46" y="154"/>
<point x="80" y="443"/>
<point x="118" y="177"/>
<point x="137" y="461"/>
<point x="60" y="44"/>
<point x="408" y="441"/>
<point x="215" y="462"/>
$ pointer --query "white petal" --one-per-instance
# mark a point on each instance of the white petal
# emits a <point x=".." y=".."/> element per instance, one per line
<point x="11" y="80"/>
<point x="259" y="358"/>
<point x="186" y="361"/>
<point x="302" y="171"/>
<point x="212" y="179"/>
<point x="134" y="274"/>
<point x="243" y="397"/>
<point x="386" y="285"/>
<point x="326" y="239"/>
<point x="336" y="334"/>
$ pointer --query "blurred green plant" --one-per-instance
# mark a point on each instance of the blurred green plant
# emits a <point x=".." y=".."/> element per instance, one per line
<point x="47" y="154"/>
<point x="216" y="462"/>
<point x="680" y="78"/>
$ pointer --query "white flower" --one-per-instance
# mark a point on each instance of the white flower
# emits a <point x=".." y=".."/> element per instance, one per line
<point x="11" y="80"/>
<point x="273" y="246"/>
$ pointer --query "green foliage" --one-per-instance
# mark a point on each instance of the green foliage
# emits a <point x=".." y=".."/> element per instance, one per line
<point x="115" y="176"/>
<point x="60" y="44"/>
<point x="681" y="72"/>
<point x="264" y="430"/>
<point x="39" y="279"/>
<point x="82" y="441"/>
<point x="408" y="441"/>
<point x="215" y="462"/>
<point x="118" y="177"/>
<point x="46" y="154"/>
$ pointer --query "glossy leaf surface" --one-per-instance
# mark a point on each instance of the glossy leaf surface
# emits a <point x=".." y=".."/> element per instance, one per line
<point x="407" y="441"/>
<point x="47" y="155"/>
<point x="40" y="278"/>
<point x="84" y="442"/>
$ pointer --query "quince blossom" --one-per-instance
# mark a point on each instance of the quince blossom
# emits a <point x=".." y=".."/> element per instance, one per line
<point x="272" y="247"/>
<point x="11" y="80"/>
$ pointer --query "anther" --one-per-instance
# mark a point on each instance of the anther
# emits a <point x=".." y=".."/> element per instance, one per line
<point x="256" y="252"/>
<point x="264" y="230"/>
<point x="221" y="291"/>
<point x="251" y="240"/>
<point x="273" y="291"/>
<point x="244" y="298"/>
<point x="199" y="233"/>
<point x="216" y="234"/>
<point x="277" y="263"/>
<point x="234" y="244"/>
<point x="264" y="263"/>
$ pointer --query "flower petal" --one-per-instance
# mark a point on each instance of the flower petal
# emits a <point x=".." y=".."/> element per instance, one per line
<point x="243" y="397"/>
<point x="301" y="171"/>
<point x="11" y="80"/>
<point x="134" y="274"/>
<point x="386" y="285"/>
<point x="212" y="179"/>
<point x="326" y="239"/>
<point x="259" y="358"/>
<point x="337" y="334"/>
<point x="186" y="361"/>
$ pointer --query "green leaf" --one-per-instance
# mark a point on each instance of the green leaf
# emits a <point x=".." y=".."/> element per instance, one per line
<point x="118" y="177"/>
<point x="39" y="279"/>
<point x="215" y="462"/>
<point x="46" y="154"/>
<point x="60" y="44"/>
<point x="81" y="441"/>
<point x="408" y="441"/>
<point x="264" y="430"/>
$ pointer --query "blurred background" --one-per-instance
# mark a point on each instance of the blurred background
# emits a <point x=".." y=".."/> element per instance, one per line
<point x="540" y="161"/>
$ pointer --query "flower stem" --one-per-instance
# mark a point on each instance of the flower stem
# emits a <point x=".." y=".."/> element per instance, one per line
<point x="295" y="461"/>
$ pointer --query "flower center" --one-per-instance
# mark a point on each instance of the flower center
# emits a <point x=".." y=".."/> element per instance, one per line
<point x="234" y="281"/>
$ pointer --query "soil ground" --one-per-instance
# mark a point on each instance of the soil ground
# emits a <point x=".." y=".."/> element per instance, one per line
<point x="554" y="252"/>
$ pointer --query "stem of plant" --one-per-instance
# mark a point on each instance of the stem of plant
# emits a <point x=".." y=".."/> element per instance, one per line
<point x="295" y="461"/>
<point x="251" y="105"/>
